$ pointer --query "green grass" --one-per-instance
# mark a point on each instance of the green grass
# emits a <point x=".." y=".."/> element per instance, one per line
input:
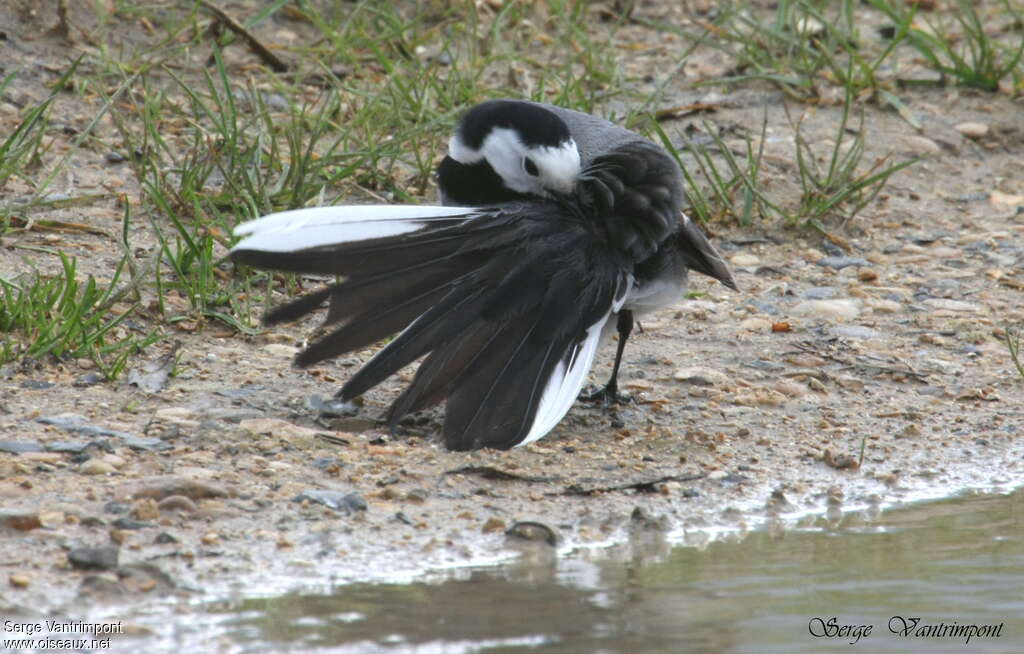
<point x="64" y="318"/>
<point x="366" y="108"/>
<point x="1013" y="340"/>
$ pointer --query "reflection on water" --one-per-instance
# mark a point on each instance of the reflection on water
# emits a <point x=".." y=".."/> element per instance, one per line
<point x="957" y="561"/>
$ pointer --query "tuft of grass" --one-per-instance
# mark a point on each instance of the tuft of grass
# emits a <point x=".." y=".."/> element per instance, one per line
<point x="1013" y="344"/>
<point x="842" y="186"/>
<point x="65" y="318"/>
<point x="22" y="151"/>
<point x="960" y="46"/>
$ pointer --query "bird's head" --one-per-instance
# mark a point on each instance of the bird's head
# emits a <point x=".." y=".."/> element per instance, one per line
<point x="527" y="146"/>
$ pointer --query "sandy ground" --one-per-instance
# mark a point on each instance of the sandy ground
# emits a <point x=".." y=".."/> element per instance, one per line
<point x="890" y="383"/>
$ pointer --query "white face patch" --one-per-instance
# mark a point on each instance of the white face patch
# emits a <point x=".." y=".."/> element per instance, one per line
<point x="557" y="167"/>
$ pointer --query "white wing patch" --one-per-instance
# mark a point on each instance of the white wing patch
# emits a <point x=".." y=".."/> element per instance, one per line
<point x="565" y="383"/>
<point x="289" y="231"/>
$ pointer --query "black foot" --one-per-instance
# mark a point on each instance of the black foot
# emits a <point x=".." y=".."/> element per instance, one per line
<point x="608" y="396"/>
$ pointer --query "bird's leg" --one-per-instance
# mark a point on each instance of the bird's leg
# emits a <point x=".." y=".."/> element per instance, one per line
<point x="610" y="393"/>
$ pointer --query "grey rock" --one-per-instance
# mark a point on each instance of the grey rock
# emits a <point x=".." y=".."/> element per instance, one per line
<point x="838" y="263"/>
<point x="820" y="293"/>
<point x="855" y="331"/>
<point x="17" y="447"/>
<point x="337" y="500"/>
<point x="101" y="558"/>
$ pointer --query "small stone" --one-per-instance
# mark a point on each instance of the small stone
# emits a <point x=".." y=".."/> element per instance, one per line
<point x="96" y="467"/>
<point x="337" y="500"/>
<point x="867" y="274"/>
<point x="971" y="130"/>
<point x="643" y="520"/>
<point x="177" y="503"/>
<point x="820" y="293"/>
<point x="838" y="263"/>
<point x="101" y="558"/>
<point x="19" y="580"/>
<point x="942" y="304"/>
<point x="837" y="310"/>
<point x="161" y="487"/>
<point x="281" y="350"/>
<point x="921" y="145"/>
<point x="17" y="447"/>
<point x="790" y="388"/>
<point x="879" y="305"/>
<point x="754" y="397"/>
<point x="114" y="460"/>
<point x="114" y="157"/>
<point x="145" y="509"/>
<point x="127" y="524"/>
<point x="856" y="331"/>
<point x="210" y="538"/>
<point x="910" y="431"/>
<point x="51" y="519"/>
<point x="756" y="324"/>
<point x="20" y="520"/>
<point x="744" y="260"/>
<point x="700" y="376"/>
<point x="493" y="525"/>
<point x="533" y="531"/>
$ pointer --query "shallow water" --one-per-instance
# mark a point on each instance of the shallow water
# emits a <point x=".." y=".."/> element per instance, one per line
<point x="958" y="561"/>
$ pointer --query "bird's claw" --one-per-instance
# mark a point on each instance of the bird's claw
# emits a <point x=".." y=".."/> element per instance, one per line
<point x="608" y="396"/>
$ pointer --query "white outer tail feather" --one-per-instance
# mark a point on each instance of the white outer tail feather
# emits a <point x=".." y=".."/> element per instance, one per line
<point x="564" y="386"/>
<point x="300" y="229"/>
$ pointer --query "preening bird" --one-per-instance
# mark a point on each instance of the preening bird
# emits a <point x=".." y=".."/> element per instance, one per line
<point x="555" y="225"/>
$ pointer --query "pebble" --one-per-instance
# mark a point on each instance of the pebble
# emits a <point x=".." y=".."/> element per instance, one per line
<point x="790" y="388"/>
<point x="232" y="414"/>
<point x="838" y="310"/>
<point x="160" y="487"/>
<point x="129" y="524"/>
<point x="756" y="324"/>
<point x="177" y="503"/>
<point x="879" y="305"/>
<point x="921" y="145"/>
<point x="820" y="293"/>
<point x="281" y="350"/>
<point x="96" y="467"/>
<point x="20" y="520"/>
<point x="145" y="509"/>
<point x="754" y="397"/>
<point x="700" y="376"/>
<point x="856" y="331"/>
<point x="19" y="580"/>
<point x="337" y="500"/>
<point x="19" y="447"/>
<point x="951" y="305"/>
<point x="972" y="130"/>
<point x="533" y="531"/>
<point x="101" y="558"/>
<point x="838" y="263"/>
<point x="88" y="379"/>
<point x="643" y="520"/>
<point x="744" y="260"/>
<point x="867" y="275"/>
<point x="493" y="525"/>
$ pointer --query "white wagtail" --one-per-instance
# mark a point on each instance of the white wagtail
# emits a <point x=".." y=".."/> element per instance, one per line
<point x="554" y="222"/>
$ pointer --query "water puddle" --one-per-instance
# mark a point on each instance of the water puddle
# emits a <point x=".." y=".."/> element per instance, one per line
<point x="822" y="584"/>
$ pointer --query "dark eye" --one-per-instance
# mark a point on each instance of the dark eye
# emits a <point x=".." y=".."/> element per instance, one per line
<point x="530" y="167"/>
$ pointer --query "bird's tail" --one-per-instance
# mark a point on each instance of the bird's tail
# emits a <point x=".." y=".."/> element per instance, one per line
<point x="505" y="305"/>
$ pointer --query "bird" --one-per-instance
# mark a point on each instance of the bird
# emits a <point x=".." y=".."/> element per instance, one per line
<point x="554" y="225"/>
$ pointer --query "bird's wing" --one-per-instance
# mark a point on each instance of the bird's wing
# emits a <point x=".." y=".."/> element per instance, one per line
<point x="506" y="305"/>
